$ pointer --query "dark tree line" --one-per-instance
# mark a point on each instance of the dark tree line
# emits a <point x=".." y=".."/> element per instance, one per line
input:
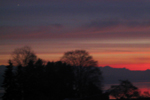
<point x="35" y="80"/>
<point x="53" y="81"/>
<point x="76" y="75"/>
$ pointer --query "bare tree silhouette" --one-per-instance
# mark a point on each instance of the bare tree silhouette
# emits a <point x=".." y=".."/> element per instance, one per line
<point x="78" y="58"/>
<point x="87" y="75"/>
<point x="22" y="56"/>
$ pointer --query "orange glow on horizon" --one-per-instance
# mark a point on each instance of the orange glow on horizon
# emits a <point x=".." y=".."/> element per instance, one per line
<point x="115" y="60"/>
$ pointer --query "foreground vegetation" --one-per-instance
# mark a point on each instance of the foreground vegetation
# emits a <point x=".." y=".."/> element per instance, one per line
<point x="75" y="76"/>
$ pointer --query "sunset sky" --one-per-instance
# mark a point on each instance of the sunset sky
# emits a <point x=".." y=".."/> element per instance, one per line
<point x="114" y="32"/>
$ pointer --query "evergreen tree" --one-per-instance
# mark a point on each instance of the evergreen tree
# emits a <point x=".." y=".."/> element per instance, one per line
<point x="29" y="81"/>
<point x="58" y="82"/>
<point x="19" y="82"/>
<point x="39" y="78"/>
<point x="49" y="80"/>
<point x="64" y="80"/>
<point x="9" y="83"/>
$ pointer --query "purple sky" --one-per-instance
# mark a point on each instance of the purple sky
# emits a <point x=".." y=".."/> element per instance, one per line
<point x="107" y="29"/>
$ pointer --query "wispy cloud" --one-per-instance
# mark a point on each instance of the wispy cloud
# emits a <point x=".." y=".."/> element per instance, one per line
<point x="110" y="23"/>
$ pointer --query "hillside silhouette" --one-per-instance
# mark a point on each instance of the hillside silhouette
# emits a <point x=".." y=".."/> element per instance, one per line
<point x="112" y="75"/>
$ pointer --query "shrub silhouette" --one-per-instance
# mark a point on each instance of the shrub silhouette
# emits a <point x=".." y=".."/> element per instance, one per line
<point x="125" y="90"/>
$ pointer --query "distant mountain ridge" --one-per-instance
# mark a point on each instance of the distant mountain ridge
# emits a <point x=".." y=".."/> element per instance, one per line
<point x="112" y="75"/>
